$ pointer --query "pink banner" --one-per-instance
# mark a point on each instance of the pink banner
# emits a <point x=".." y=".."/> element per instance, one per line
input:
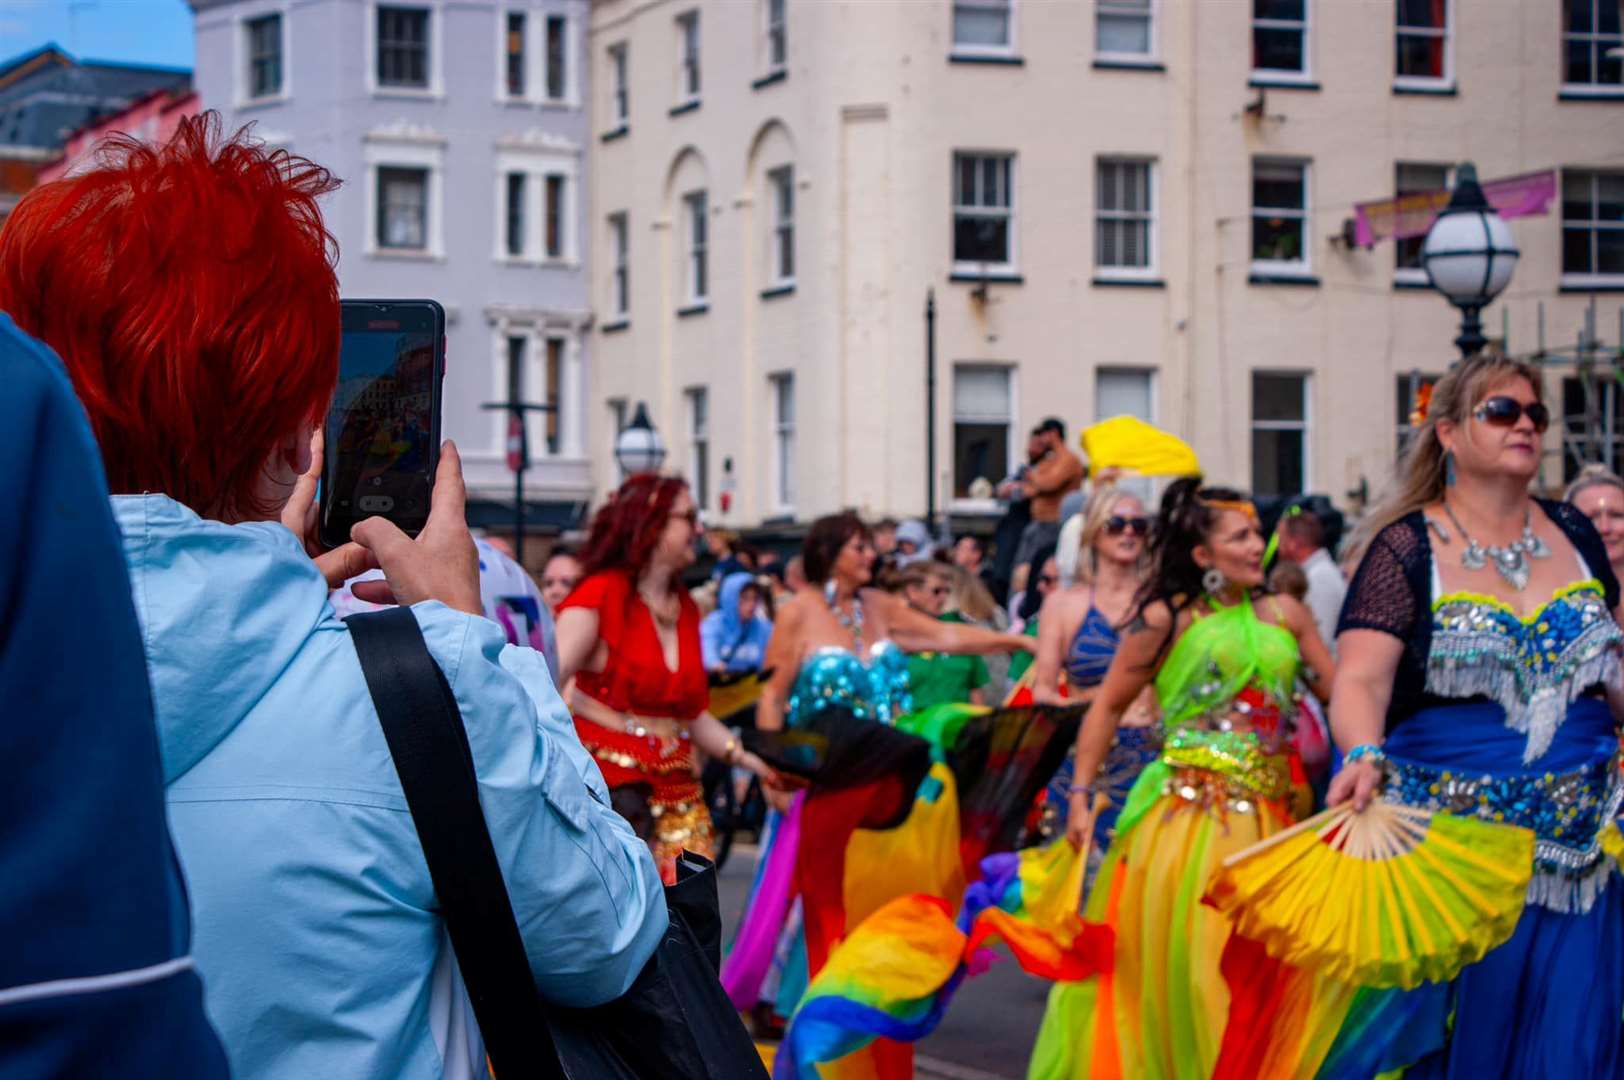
<point x="1528" y="195"/>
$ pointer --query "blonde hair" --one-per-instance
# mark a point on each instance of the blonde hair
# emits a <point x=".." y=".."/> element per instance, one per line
<point x="1592" y="475"/>
<point x="1079" y="563"/>
<point x="1420" y="477"/>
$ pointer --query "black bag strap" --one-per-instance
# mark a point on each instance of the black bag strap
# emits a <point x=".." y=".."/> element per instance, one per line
<point x="423" y="727"/>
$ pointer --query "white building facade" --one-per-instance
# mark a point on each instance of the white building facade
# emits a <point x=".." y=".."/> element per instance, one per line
<point x="1121" y="206"/>
<point x="459" y="130"/>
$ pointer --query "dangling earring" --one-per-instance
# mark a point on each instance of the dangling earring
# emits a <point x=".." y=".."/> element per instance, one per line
<point x="1214" y="582"/>
<point x="1449" y="468"/>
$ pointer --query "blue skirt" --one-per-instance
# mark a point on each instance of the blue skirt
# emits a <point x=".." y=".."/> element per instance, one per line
<point x="1550" y="1001"/>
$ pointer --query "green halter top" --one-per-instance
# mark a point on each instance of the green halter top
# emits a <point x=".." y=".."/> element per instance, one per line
<point x="1219" y="656"/>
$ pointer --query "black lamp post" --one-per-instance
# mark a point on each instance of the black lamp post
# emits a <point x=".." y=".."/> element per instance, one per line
<point x="639" y="448"/>
<point x="1469" y="255"/>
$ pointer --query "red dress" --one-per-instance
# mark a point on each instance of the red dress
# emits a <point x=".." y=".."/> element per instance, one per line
<point x="635" y="682"/>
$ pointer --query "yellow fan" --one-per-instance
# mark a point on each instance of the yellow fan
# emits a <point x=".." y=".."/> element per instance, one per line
<point x="1390" y="896"/>
<point x="1127" y="442"/>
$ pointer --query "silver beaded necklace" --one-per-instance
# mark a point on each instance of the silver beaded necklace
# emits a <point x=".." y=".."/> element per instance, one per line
<point x="852" y="622"/>
<point x="1511" y="560"/>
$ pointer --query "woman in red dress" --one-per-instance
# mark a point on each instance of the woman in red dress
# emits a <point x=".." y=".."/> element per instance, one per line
<point x="629" y="634"/>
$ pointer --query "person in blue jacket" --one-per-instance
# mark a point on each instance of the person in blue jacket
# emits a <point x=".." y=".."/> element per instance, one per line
<point x="190" y="292"/>
<point x="734" y="637"/>
<point x="96" y="978"/>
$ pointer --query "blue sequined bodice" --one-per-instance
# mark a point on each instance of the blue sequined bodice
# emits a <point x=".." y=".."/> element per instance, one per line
<point x="832" y="677"/>
<point x="1533" y="667"/>
<point x="1089" y="657"/>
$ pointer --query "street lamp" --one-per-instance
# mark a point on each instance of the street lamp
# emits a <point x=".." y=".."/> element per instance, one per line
<point x="1469" y="255"/>
<point x="639" y="448"/>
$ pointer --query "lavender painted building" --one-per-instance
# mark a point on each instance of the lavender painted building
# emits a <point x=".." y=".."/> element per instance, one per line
<point x="459" y="129"/>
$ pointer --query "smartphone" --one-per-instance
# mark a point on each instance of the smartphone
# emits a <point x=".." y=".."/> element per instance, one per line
<point x="383" y="431"/>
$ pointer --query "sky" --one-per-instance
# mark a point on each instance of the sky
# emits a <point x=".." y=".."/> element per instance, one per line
<point x="134" y="31"/>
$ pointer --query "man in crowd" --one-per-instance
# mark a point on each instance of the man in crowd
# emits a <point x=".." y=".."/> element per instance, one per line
<point x="969" y="552"/>
<point x="1302" y="541"/>
<point x="1057" y="473"/>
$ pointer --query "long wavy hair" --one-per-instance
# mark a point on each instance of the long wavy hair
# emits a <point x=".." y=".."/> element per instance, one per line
<point x="1078" y="559"/>
<point x="626" y="529"/>
<point x="1186" y="520"/>
<point x="1420" y="477"/>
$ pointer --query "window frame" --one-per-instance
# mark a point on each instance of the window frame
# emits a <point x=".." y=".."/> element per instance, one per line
<point x="690" y="58"/>
<point x="1404" y="386"/>
<point x="620" y="93"/>
<point x="432" y="50"/>
<point x="1303" y="268"/>
<point x="782" y="482"/>
<point x="1415" y="275"/>
<point x="555" y="360"/>
<point x="1286" y="75"/>
<point x="1152" y="270"/>
<point x="975" y="52"/>
<point x="696" y="400"/>
<point x="1010" y="371"/>
<point x="514" y="215"/>
<point x="620" y="244"/>
<point x="1571" y="279"/>
<point x="555" y="219"/>
<point x="781" y="224"/>
<point x="504" y="88"/>
<point x="566" y="60"/>
<point x="975" y="268"/>
<point x="1598" y="50"/>
<point x="775" y="33"/>
<point x="1152" y="54"/>
<point x="246" y="97"/>
<point x="381" y="210"/>
<point x="696" y="248"/>
<point x="1446" y="81"/>
<point x="1305" y="426"/>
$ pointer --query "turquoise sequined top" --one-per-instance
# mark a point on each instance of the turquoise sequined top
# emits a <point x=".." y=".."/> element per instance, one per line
<point x="833" y="677"/>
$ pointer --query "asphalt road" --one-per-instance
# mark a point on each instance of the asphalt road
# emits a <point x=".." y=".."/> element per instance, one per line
<point x="987" y="1032"/>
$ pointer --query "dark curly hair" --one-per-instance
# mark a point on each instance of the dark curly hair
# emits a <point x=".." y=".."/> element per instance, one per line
<point x="627" y="528"/>
<point x="1187" y="517"/>
<point x="824" y="541"/>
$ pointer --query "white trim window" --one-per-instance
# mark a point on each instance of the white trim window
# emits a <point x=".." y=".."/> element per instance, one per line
<point x="1280" y="216"/>
<point x="620" y="102"/>
<point x="775" y="43"/>
<point x="983" y="212"/>
<point x="515" y="56"/>
<point x="1415" y="178"/>
<point x="404" y="193"/>
<point x="699" y="445"/>
<point x="1424" y="56"/>
<point x="781" y="249"/>
<point x="403" y="209"/>
<point x="1125" y="31"/>
<point x="1280" y="40"/>
<point x="1592" y="38"/>
<point x="536" y="199"/>
<point x="404" y="59"/>
<point x="514" y="240"/>
<point x="556" y="54"/>
<point x="1125" y="218"/>
<point x="696" y="225"/>
<point x="1125" y="391"/>
<point x="1407" y="397"/>
<point x="554" y="348"/>
<point x="1280" y="425"/>
<point x="264" y="49"/>
<point x="983" y="430"/>
<point x="620" y="298"/>
<point x="984" y="28"/>
<point x="782" y="387"/>
<point x="555" y="216"/>
<point x="1592" y="227"/>
<point x="688" y="58"/>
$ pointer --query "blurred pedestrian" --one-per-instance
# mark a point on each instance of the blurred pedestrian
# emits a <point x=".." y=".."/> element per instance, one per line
<point x="1058" y="473"/>
<point x="1288" y="579"/>
<point x="734" y="637"/>
<point x="938" y="678"/>
<point x="795" y="574"/>
<point x="559" y="577"/>
<point x="190" y="292"/>
<point x="885" y="538"/>
<point x="1302" y="541"/>
<point x="914" y="543"/>
<point x="1599" y="494"/>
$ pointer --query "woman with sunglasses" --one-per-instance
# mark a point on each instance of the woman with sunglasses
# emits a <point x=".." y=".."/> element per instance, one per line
<point x="1224" y="661"/>
<point x="938" y="678"/>
<point x="629" y="635"/>
<point x="1598" y="492"/>
<point x="1478" y="674"/>
<point x="1077" y="638"/>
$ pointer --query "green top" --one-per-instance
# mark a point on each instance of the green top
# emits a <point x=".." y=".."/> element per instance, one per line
<point x="942" y="678"/>
<point x="1019" y="662"/>
<point x="1220" y="655"/>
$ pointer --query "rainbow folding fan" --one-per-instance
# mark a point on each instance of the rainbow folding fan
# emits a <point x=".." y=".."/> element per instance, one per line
<point x="1391" y="896"/>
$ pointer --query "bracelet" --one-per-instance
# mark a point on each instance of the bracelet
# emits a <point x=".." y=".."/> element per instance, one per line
<point x="1365" y="752"/>
<point x="1082" y="789"/>
<point x="730" y="751"/>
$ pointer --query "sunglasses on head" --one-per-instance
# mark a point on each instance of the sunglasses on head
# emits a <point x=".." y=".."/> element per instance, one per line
<point x="1116" y="525"/>
<point x="1502" y="411"/>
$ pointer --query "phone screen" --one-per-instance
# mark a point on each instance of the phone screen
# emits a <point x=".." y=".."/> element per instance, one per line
<point x="382" y="437"/>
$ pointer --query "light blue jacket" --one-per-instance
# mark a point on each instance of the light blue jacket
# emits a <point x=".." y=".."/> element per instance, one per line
<point x="315" y="921"/>
<point x="724" y="639"/>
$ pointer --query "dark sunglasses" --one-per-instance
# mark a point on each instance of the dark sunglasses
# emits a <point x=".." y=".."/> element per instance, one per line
<point x="941" y="592"/>
<point x="691" y="517"/>
<point x="1117" y="525"/>
<point x="1048" y="579"/>
<point x="1502" y="411"/>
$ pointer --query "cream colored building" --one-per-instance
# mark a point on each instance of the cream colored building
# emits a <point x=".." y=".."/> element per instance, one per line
<point x="1120" y="205"/>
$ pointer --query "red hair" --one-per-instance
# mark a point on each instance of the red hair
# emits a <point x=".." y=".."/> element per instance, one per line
<point x="190" y="291"/>
<point x="627" y="529"/>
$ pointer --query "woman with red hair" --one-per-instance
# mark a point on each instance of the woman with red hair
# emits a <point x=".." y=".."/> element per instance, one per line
<point x="629" y="634"/>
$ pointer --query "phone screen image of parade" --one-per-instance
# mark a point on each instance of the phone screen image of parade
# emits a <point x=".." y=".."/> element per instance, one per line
<point x="380" y="424"/>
